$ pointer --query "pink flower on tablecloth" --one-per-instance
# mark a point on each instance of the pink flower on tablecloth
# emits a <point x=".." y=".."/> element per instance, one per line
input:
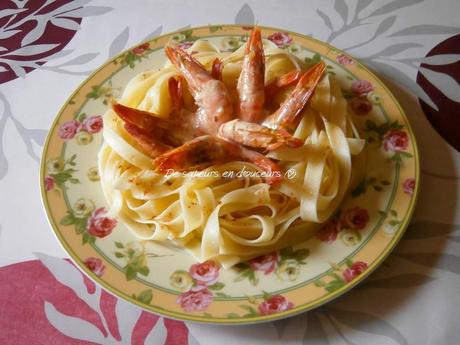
<point x="68" y="129"/>
<point x="93" y="124"/>
<point x="355" y="270"/>
<point x="395" y="140"/>
<point x="49" y="183"/>
<point x="196" y="299"/>
<point x="185" y="45"/>
<point x="360" y="105"/>
<point x="274" y="304"/>
<point x="95" y="265"/>
<point x="409" y="186"/>
<point x="344" y="60"/>
<point x="205" y="273"/>
<point x="139" y="50"/>
<point x="99" y="225"/>
<point x="281" y="39"/>
<point x="354" y="218"/>
<point x="361" y="87"/>
<point x="328" y="233"/>
<point x="265" y="263"/>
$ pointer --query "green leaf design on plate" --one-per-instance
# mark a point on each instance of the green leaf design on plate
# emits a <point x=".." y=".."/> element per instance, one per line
<point x="251" y="312"/>
<point x="68" y="219"/>
<point x="144" y="296"/>
<point x="217" y="286"/>
<point x="214" y="28"/>
<point x="232" y="316"/>
<point x="130" y="273"/>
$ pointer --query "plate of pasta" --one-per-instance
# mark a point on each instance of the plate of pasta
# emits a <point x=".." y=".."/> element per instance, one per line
<point x="230" y="174"/>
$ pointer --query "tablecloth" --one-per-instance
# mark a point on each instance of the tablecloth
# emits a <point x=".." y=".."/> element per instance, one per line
<point x="47" y="47"/>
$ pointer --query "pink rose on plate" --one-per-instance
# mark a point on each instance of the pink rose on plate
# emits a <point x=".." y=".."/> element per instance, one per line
<point x="355" y="270"/>
<point x="361" y="87"/>
<point x="49" y="183"/>
<point x="185" y="45"/>
<point x="99" y="225"/>
<point x="328" y="233"/>
<point x="344" y="60"/>
<point x="275" y="304"/>
<point x="196" y="299"/>
<point x="409" y="186"/>
<point x="360" y="105"/>
<point x="139" y="50"/>
<point x="281" y="39"/>
<point x="395" y="140"/>
<point x="355" y="218"/>
<point x="93" y="124"/>
<point x="68" y="129"/>
<point x="95" y="265"/>
<point x="265" y="263"/>
<point x="205" y="273"/>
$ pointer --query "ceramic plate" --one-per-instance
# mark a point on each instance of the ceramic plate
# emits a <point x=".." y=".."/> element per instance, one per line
<point x="373" y="216"/>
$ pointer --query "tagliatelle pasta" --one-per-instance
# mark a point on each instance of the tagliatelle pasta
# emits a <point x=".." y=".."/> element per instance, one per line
<point x="227" y="212"/>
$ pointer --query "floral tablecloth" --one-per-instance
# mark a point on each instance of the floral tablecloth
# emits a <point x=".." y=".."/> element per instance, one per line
<point x="47" y="47"/>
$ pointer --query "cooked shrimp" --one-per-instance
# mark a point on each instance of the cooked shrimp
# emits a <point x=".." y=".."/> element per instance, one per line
<point x="282" y="81"/>
<point x="208" y="150"/>
<point x="286" y="116"/>
<point x="251" y="81"/>
<point x="151" y="145"/>
<point x="257" y="136"/>
<point x="214" y="104"/>
<point x="179" y="127"/>
<point x="216" y="70"/>
<point x="144" y="120"/>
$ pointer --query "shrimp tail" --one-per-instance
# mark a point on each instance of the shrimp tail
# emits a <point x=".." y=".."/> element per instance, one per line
<point x="273" y="174"/>
<point x="176" y="93"/>
<point x="217" y="67"/>
<point x="144" y="120"/>
<point x="151" y="146"/>
<point x="287" y="115"/>
<point x="192" y="70"/>
<point x="272" y="88"/>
